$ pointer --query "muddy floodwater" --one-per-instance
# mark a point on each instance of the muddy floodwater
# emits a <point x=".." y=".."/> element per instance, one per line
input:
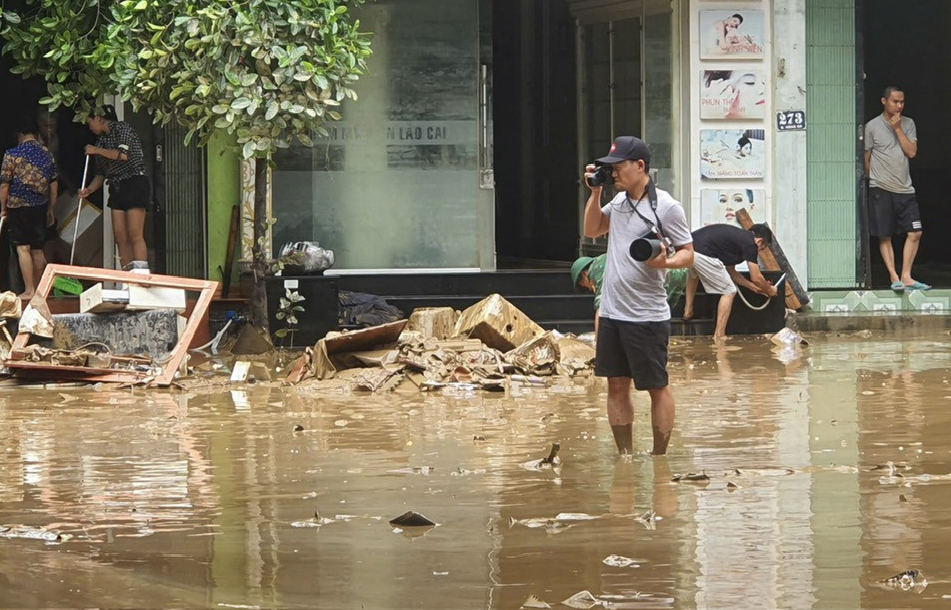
<point x="826" y="473"/>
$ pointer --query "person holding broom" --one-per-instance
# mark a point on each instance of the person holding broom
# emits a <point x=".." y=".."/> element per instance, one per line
<point x="28" y="189"/>
<point x="121" y="162"/>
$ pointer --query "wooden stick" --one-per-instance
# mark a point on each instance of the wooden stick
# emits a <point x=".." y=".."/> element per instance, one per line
<point x="775" y="260"/>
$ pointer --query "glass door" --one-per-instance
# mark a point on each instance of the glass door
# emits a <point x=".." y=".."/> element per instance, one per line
<point x="626" y="74"/>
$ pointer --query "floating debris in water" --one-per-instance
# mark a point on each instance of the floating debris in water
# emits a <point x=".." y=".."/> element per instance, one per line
<point x="462" y="472"/>
<point x="534" y="602"/>
<point x="574" y="517"/>
<point x="552" y="526"/>
<point x="316" y="521"/>
<point x="32" y="533"/>
<point x="583" y="600"/>
<point x="902" y="498"/>
<point x="649" y="519"/>
<point x="551" y="461"/>
<point x="298" y="428"/>
<point x="618" y="561"/>
<point x="423" y="470"/>
<point x="412" y="519"/>
<point x="906" y="581"/>
<point x="691" y="477"/>
<point x="478" y="438"/>
<point x="731" y="486"/>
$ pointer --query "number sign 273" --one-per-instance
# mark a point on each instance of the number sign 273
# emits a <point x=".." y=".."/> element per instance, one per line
<point x="791" y="120"/>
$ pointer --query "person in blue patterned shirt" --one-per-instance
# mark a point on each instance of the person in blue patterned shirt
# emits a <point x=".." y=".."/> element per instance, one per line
<point x="121" y="161"/>
<point x="28" y="190"/>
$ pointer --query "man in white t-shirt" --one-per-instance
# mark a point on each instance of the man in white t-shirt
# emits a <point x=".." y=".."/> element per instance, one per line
<point x="634" y="326"/>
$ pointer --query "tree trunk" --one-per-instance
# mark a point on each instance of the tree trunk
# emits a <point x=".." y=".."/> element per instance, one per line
<point x="259" y="250"/>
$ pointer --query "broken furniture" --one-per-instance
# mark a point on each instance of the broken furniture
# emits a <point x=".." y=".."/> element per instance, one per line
<point x="25" y="361"/>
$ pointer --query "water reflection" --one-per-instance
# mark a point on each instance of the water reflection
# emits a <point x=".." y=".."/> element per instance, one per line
<point x="188" y="500"/>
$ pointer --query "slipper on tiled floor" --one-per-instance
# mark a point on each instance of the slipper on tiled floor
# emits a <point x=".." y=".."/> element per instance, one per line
<point x="917" y="286"/>
<point x="898" y="286"/>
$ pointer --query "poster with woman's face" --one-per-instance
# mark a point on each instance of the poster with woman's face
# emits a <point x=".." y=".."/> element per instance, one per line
<point x="732" y="94"/>
<point x="731" y="34"/>
<point x="721" y="205"/>
<point x="727" y="154"/>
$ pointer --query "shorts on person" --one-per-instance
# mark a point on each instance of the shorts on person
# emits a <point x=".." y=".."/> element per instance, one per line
<point x="129" y="193"/>
<point x="633" y="349"/>
<point x="712" y="273"/>
<point x="892" y="213"/>
<point x="26" y="226"/>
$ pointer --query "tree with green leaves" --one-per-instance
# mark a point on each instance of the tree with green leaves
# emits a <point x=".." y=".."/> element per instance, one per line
<point x="267" y="72"/>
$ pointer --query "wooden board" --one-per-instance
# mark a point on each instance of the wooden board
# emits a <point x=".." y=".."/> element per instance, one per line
<point x="365" y="338"/>
<point x="775" y="260"/>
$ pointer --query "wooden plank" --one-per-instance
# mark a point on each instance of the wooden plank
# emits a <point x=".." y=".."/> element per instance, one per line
<point x="775" y="260"/>
<point x="365" y="338"/>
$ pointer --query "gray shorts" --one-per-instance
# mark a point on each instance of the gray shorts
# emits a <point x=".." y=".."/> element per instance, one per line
<point x="712" y="272"/>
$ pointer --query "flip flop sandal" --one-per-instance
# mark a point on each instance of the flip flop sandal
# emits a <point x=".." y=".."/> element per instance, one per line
<point x="918" y="286"/>
<point x="898" y="286"/>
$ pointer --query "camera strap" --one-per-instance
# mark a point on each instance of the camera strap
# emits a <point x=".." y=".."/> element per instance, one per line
<point x="652" y="200"/>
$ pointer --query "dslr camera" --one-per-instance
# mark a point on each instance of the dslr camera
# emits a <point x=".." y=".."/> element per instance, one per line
<point x="601" y="176"/>
<point x="647" y="247"/>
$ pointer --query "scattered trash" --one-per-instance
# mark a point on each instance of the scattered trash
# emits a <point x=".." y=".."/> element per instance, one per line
<point x="906" y="581"/>
<point x="32" y="533"/>
<point x="649" y="519"/>
<point x="534" y="602"/>
<point x="411" y="519"/>
<point x="305" y="258"/>
<point x="423" y="470"/>
<point x="582" y="600"/>
<point x="574" y="517"/>
<point x="617" y="561"/>
<point x="691" y="477"/>
<point x="440" y="573"/>
<point x="316" y="521"/>
<point x="298" y="428"/>
<point x="788" y="337"/>
<point x="462" y="472"/>
<point x="497" y="323"/>
<point x="550" y="461"/>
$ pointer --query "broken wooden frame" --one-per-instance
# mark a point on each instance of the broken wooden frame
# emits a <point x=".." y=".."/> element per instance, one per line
<point x="206" y="288"/>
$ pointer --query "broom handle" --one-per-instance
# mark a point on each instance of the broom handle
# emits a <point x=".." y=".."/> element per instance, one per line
<point x="79" y="211"/>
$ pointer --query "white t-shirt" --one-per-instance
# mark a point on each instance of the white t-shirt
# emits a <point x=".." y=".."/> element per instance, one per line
<point x="632" y="291"/>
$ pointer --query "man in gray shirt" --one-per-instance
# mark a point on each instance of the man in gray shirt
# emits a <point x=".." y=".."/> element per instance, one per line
<point x="890" y="141"/>
<point x="634" y="323"/>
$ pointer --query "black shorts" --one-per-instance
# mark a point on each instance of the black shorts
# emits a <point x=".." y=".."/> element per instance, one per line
<point x="134" y="192"/>
<point x="27" y="226"/>
<point x="633" y="349"/>
<point x="892" y="213"/>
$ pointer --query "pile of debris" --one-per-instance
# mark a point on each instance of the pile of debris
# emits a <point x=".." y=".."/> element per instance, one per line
<point x="484" y="347"/>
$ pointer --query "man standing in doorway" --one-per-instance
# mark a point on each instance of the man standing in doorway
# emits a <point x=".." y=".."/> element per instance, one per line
<point x="890" y="141"/>
<point x="634" y="323"/>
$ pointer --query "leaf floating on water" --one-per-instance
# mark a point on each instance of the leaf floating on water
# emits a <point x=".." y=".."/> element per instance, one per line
<point x="583" y="600"/>
<point x="691" y="477"/>
<point x="411" y="519"/>
<point x="731" y="486"/>
<point x="67" y="397"/>
<point x="478" y="438"/>
<point x="534" y="602"/>
<point x="902" y="498"/>
<point x="618" y="561"/>
<point x="298" y="428"/>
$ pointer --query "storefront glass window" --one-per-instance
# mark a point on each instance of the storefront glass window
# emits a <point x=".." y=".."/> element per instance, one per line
<point x="396" y="183"/>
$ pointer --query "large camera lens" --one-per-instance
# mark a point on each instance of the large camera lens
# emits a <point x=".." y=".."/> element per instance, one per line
<point x="644" y="249"/>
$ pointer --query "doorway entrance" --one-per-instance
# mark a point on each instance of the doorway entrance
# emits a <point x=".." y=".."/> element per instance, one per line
<point x="901" y="48"/>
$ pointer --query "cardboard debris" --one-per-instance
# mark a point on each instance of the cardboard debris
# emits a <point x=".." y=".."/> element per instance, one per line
<point x="435" y="322"/>
<point x="10" y="305"/>
<point x="498" y="323"/>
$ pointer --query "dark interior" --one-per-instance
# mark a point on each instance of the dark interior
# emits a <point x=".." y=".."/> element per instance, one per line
<point x="908" y="47"/>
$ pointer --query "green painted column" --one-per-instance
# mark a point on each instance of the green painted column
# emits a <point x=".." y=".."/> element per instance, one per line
<point x="832" y="143"/>
<point x="224" y="192"/>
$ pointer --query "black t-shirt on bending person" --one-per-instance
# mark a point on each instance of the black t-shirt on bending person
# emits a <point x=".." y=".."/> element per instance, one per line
<point x="729" y="244"/>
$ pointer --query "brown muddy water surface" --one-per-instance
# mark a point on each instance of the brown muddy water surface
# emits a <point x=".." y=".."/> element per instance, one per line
<point x="207" y="499"/>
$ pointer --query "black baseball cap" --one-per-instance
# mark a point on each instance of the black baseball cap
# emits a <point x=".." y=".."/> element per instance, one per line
<point x="627" y="147"/>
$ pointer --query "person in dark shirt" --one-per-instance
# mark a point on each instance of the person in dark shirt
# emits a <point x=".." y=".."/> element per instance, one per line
<point x="120" y="161"/>
<point x="718" y="248"/>
<point x="28" y="189"/>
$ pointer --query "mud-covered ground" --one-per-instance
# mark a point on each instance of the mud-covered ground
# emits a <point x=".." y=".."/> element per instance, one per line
<point x="208" y="498"/>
